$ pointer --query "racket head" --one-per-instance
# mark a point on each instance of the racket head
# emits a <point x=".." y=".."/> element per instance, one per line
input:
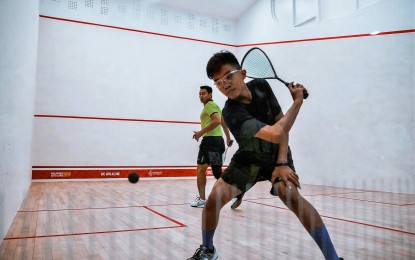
<point x="258" y="65"/>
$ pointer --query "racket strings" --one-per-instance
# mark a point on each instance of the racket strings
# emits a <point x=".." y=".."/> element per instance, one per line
<point x="257" y="65"/>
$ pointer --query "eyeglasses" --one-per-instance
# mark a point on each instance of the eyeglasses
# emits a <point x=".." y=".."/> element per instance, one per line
<point x="225" y="79"/>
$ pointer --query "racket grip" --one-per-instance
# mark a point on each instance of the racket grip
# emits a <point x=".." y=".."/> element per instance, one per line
<point x="305" y="92"/>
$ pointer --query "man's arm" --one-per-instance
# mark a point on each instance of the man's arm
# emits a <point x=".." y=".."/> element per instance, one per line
<point x="278" y="132"/>
<point x="216" y="120"/>
<point x="283" y="145"/>
<point x="226" y="131"/>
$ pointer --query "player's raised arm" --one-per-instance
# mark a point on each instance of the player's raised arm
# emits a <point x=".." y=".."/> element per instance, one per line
<point x="278" y="132"/>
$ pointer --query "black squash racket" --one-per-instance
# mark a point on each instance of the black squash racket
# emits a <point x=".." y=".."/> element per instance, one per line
<point x="259" y="66"/>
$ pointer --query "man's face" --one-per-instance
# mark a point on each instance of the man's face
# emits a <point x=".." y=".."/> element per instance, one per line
<point x="204" y="96"/>
<point x="230" y="81"/>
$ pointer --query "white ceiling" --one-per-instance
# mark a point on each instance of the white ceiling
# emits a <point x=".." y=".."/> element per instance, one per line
<point x="231" y="9"/>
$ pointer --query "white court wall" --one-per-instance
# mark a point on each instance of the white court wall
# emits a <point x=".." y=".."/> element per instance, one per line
<point x="355" y="130"/>
<point x="95" y="71"/>
<point x="18" y="48"/>
<point x="357" y="127"/>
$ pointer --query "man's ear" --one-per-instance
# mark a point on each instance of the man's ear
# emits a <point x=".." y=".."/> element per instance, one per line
<point x="243" y="72"/>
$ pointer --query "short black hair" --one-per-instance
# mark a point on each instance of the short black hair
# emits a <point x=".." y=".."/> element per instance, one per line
<point x="208" y="89"/>
<point x="218" y="60"/>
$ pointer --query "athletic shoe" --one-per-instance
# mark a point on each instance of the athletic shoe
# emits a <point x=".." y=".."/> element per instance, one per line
<point x="202" y="253"/>
<point x="199" y="203"/>
<point x="237" y="201"/>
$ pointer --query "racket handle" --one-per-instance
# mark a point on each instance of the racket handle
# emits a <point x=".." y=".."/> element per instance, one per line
<point x="305" y="93"/>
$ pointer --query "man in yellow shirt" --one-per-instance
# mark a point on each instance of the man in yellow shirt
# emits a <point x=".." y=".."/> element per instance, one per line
<point x="212" y="146"/>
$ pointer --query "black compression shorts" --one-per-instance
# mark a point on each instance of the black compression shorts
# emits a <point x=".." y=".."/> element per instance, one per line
<point x="244" y="171"/>
<point x="211" y="150"/>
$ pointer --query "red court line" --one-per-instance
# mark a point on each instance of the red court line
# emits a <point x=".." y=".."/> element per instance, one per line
<point x="372" y="201"/>
<point x="91" y="233"/>
<point x="329" y="38"/>
<point x="116" y="119"/>
<point x="76" y="209"/>
<point x="234" y="45"/>
<point x="164" y="216"/>
<point x="344" y="220"/>
<point x="336" y="193"/>
<point x="112" y="207"/>
<point x="149" y="167"/>
<point x="135" y="30"/>
<point x="311" y="195"/>
<point x="180" y="225"/>
<point x="408" y="204"/>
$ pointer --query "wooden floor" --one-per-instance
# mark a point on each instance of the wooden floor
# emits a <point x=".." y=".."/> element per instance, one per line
<point x="153" y="220"/>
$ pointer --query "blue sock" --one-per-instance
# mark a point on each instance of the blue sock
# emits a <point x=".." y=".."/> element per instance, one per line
<point x="322" y="238"/>
<point x="207" y="238"/>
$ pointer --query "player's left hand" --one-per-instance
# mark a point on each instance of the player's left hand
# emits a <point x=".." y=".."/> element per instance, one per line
<point x="196" y="135"/>
<point x="229" y="143"/>
<point x="287" y="175"/>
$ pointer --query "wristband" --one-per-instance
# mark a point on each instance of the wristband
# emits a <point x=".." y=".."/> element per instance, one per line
<point x="282" y="164"/>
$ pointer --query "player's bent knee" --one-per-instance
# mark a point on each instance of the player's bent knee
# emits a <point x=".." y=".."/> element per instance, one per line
<point x="286" y="194"/>
<point x="221" y="193"/>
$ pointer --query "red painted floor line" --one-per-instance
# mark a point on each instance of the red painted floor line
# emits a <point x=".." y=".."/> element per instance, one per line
<point x="372" y="201"/>
<point x="344" y="220"/>
<point x="92" y="233"/>
<point x="180" y="225"/>
<point x="113" y="207"/>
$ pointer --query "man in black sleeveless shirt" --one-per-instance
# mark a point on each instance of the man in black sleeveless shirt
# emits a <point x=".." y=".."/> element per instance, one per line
<point x="261" y="130"/>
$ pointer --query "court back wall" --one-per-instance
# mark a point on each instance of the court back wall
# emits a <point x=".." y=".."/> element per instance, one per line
<point x="109" y="98"/>
<point x="90" y="71"/>
<point x="120" y="93"/>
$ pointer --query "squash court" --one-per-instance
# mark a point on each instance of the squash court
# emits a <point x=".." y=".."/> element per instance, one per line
<point x="92" y="90"/>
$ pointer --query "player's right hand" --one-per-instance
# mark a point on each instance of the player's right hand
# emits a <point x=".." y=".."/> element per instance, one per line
<point x="297" y="91"/>
<point x="196" y="135"/>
